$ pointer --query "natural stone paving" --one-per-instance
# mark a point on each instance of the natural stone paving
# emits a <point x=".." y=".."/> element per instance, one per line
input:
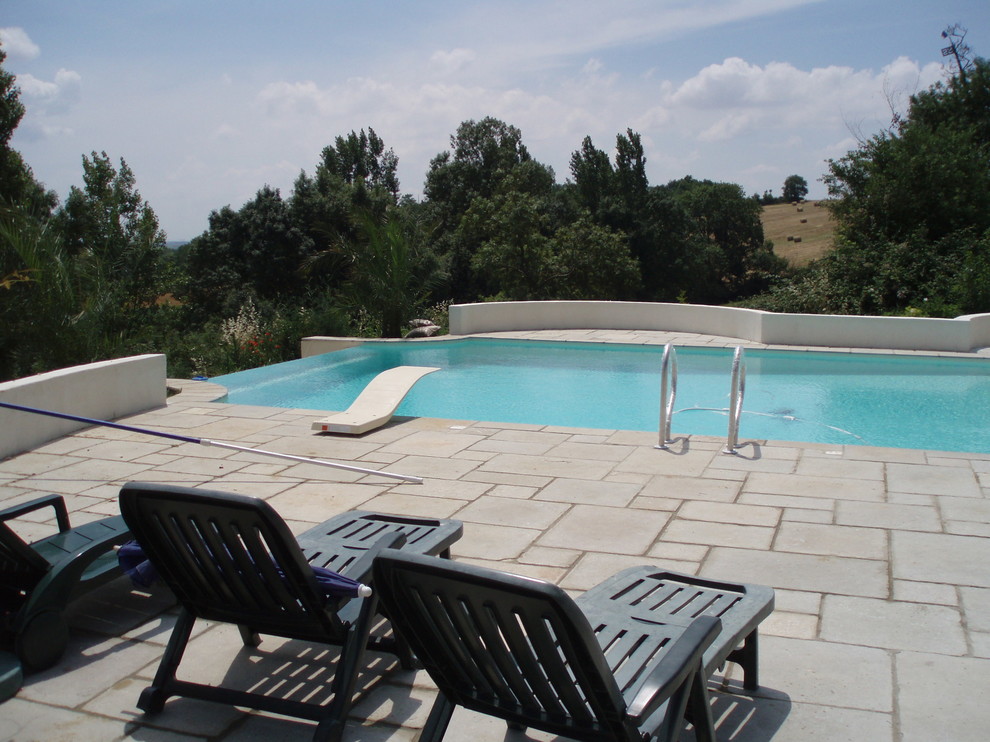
<point x="879" y="558"/>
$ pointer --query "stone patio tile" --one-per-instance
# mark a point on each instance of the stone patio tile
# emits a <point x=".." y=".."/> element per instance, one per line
<point x="746" y="462"/>
<point x="95" y="470"/>
<point x="23" y="720"/>
<point x="826" y="673"/>
<point x="545" y="572"/>
<point x="88" y="667"/>
<point x="743" y="719"/>
<point x="678" y="552"/>
<point x="941" y="558"/>
<point x="743" y="515"/>
<point x="433" y="467"/>
<point x="798" y="515"/>
<point x="514" y="491"/>
<point x="825" y="574"/>
<point x="891" y="455"/>
<point x="792" y="502"/>
<point x="500" y="477"/>
<point x="457" y="489"/>
<point x="936" y="696"/>
<point x="956" y="481"/>
<point x="887" y="515"/>
<point x="925" y="592"/>
<point x="669" y="504"/>
<point x="710" y="534"/>
<point x="199" y="466"/>
<point x="798" y="601"/>
<point x="964" y="508"/>
<point x="976" y="606"/>
<point x="550" y="557"/>
<point x="428" y="443"/>
<point x="423" y="507"/>
<point x="37" y="463"/>
<point x="589" y="492"/>
<point x="793" y="625"/>
<point x="967" y="528"/>
<point x="547" y="466"/>
<point x="692" y="488"/>
<point x="846" y="541"/>
<point x="591" y="451"/>
<point x="491" y="445"/>
<point x="319" y="501"/>
<point x="818" y="487"/>
<point x="512" y="512"/>
<point x="651" y="461"/>
<point x="485" y="541"/>
<point x="123" y="450"/>
<point x="229" y="429"/>
<point x="532" y="436"/>
<point x="840" y="467"/>
<point x="892" y="625"/>
<point x="615" y="530"/>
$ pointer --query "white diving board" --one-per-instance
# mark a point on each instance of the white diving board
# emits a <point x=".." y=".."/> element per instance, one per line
<point x="377" y="403"/>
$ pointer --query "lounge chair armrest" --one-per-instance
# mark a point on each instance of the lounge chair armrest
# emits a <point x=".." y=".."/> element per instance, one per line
<point x="682" y="658"/>
<point x="53" y="501"/>
<point x="360" y="569"/>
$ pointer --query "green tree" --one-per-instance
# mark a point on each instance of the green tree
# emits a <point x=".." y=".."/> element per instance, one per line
<point x="795" y="188"/>
<point x="390" y="277"/>
<point x="17" y="183"/>
<point x="109" y="227"/>
<point x="256" y="252"/>
<point x="592" y="262"/>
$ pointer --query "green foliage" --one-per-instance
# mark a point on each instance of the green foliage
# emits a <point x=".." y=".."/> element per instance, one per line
<point x="913" y="212"/>
<point x="795" y="188"/>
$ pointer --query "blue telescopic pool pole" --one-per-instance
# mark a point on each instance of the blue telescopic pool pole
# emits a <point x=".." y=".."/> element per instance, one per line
<point x="208" y="442"/>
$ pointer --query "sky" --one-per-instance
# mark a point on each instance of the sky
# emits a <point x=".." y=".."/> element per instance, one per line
<point x="209" y="101"/>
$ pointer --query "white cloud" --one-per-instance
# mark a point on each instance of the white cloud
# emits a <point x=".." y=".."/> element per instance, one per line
<point x="453" y="61"/>
<point x="50" y="97"/>
<point x="18" y="44"/>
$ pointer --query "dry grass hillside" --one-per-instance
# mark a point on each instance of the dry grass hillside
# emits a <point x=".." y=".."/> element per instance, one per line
<point x="800" y="233"/>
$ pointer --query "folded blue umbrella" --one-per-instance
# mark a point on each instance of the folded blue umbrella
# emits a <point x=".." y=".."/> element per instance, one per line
<point x="135" y="564"/>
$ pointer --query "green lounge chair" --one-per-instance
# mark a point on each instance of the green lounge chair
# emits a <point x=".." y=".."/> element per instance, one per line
<point x="232" y="559"/>
<point x="39" y="579"/>
<point x="522" y="650"/>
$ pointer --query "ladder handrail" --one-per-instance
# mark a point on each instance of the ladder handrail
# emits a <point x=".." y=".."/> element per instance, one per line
<point x="736" y="392"/>
<point x="668" y="391"/>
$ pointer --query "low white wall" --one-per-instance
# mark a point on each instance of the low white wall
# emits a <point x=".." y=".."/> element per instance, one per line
<point x="961" y="334"/>
<point x="105" y="391"/>
<point x="314" y="346"/>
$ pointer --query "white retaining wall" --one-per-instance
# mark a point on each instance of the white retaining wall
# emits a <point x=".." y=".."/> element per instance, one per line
<point x="105" y="391"/>
<point x="961" y="334"/>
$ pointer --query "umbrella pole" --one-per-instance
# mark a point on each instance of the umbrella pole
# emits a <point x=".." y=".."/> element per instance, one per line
<point x="207" y="442"/>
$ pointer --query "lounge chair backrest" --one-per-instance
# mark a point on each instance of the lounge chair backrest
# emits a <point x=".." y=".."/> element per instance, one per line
<point x="21" y="567"/>
<point x="230" y="558"/>
<point x="504" y="645"/>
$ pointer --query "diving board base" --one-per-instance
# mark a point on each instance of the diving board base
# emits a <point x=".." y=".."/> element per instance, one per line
<point x="376" y="405"/>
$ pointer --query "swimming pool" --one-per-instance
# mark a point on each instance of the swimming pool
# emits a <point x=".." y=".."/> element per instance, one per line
<point x="834" y="398"/>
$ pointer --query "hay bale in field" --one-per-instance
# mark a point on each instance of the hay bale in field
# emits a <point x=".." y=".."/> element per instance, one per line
<point x="797" y="239"/>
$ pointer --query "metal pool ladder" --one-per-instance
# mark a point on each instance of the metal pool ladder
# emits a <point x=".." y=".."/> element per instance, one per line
<point x="668" y="391"/>
<point x="736" y="392"/>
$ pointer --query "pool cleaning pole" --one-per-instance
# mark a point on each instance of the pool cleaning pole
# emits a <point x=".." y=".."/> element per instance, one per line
<point x="208" y="442"/>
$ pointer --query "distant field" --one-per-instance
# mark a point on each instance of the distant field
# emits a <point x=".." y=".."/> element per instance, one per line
<point x="808" y="221"/>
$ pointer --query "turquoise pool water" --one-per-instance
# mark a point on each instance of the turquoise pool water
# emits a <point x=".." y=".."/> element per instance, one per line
<point x="836" y="398"/>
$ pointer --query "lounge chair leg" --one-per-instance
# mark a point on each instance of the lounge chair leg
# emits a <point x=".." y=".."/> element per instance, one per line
<point x="439" y="718"/>
<point x="249" y="636"/>
<point x="748" y="657"/>
<point x="153" y="698"/>
<point x="700" y="709"/>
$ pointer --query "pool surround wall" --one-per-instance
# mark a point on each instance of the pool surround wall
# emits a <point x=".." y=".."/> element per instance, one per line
<point x="962" y="334"/>
<point x="107" y="390"/>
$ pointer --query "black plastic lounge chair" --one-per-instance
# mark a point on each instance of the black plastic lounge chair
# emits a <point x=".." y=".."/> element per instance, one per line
<point x="38" y="580"/>
<point x="650" y="594"/>
<point x="521" y="650"/>
<point x="232" y="559"/>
